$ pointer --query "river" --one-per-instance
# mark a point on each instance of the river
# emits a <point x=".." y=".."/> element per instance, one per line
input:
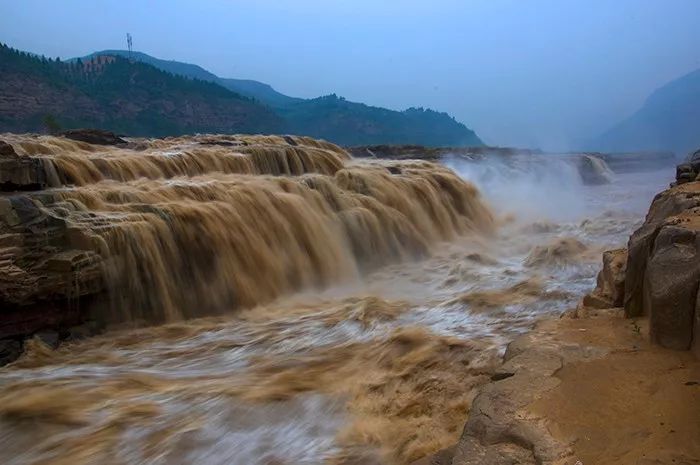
<point x="376" y="365"/>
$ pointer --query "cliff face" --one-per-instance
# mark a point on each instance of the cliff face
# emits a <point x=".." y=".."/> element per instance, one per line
<point x="658" y="275"/>
<point x="663" y="269"/>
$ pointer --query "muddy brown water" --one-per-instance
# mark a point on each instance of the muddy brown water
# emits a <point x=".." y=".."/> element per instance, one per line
<point x="362" y="305"/>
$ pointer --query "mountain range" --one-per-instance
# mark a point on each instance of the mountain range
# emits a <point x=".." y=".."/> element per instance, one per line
<point x="141" y="95"/>
<point x="246" y="87"/>
<point x="669" y="119"/>
<point x="137" y="94"/>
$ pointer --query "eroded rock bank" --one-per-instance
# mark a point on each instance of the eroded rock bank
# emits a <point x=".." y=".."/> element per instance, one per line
<point x="662" y="275"/>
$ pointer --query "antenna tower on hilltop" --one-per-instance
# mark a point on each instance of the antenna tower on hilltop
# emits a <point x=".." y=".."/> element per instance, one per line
<point x="129" y="44"/>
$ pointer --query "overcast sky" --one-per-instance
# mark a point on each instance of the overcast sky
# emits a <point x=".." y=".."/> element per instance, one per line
<point x="532" y="73"/>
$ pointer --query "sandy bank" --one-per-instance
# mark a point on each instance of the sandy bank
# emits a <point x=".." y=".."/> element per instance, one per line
<point x="591" y="390"/>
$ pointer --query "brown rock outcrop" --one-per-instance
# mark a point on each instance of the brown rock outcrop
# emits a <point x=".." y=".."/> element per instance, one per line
<point x="41" y="263"/>
<point x="19" y="173"/>
<point x="671" y="282"/>
<point x="663" y="268"/>
<point x="689" y="170"/>
<point x="496" y="432"/>
<point x="610" y="284"/>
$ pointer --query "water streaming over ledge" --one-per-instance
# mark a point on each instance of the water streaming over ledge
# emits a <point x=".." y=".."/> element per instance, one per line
<point x="371" y="299"/>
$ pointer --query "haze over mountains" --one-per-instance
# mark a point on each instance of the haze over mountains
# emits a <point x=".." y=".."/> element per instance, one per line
<point x="151" y="97"/>
<point x="669" y="119"/>
<point x="154" y="97"/>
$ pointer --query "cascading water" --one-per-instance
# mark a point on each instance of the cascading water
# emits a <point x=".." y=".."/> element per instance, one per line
<point x="183" y="236"/>
<point x="359" y="303"/>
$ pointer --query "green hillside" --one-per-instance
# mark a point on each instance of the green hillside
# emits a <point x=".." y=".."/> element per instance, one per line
<point x="146" y="96"/>
<point x="331" y="117"/>
<point x="115" y="94"/>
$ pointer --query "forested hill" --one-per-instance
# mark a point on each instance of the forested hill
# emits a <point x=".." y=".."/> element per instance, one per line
<point x="332" y="117"/>
<point x="349" y="123"/>
<point x="146" y="96"/>
<point x="115" y="94"/>
<point x="249" y="88"/>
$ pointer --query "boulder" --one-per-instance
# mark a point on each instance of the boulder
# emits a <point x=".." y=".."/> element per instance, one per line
<point x="694" y="160"/>
<point x="671" y="281"/>
<point x="610" y="284"/>
<point x="6" y="150"/>
<point x="94" y="136"/>
<point x="19" y="172"/>
<point x="689" y="170"/>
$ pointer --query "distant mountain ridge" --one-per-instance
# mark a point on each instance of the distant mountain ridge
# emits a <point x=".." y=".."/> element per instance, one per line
<point x="249" y="88"/>
<point x="669" y="119"/>
<point x="331" y="117"/>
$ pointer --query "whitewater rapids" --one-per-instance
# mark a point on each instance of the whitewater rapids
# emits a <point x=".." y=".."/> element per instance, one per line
<point x="360" y="341"/>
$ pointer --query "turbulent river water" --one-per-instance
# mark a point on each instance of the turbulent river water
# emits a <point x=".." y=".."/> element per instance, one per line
<point x="376" y="364"/>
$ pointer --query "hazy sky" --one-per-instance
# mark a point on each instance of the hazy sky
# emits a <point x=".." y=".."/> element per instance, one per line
<point x="529" y="73"/>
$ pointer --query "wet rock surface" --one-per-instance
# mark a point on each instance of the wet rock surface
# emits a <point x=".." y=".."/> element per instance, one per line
<point x="17" y="172"/>
<point x="45" y="278"/>
<point x="245" y="219"/>
<point x="501" y="428"/>
<point x="40" y="259"/>
<point x="94" y="136"/>
<point x="594" y="170"/>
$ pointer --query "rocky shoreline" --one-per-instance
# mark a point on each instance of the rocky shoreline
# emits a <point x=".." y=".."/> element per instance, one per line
<point x="616" y="380"/>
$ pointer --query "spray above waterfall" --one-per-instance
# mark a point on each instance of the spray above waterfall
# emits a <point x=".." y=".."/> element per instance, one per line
<point x="534" y="187"/>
